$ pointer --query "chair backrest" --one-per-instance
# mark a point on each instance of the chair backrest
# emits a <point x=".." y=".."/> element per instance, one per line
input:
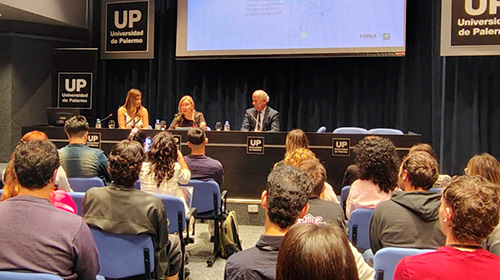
<point x="78" y="199"/>
<point x="83" y="184"/>
<point x="124" y="255"/>
<point x="344" y="193"/>
<point x="386" y="260"/>
<point x="436" y="190"/>
<point x="174" y="206"/>
<point x="10" y="275"/>
<point x="203" y="195"/>
<point x="359" y="228"/>
<point x="321" y="129"/>
<point x="137" y="184"/>
<point x="350" y="130"/>
<point x="385" y="131"/>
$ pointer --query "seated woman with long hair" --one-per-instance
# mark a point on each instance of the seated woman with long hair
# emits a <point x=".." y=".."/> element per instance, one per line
<point x="132" y="114"/>
<point x="488" y="167"/>
<point x="59" y="197"/>
<point x="187" y="115"/>
<point x="311" y="251"/>
<point x="164" y="168"/>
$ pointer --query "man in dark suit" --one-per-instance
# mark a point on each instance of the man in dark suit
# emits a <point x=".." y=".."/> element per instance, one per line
<point x="261" y="117"/>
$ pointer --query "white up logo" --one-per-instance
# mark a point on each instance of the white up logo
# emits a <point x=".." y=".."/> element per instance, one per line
<point x="255" y="142"/>
<point x="74" y="84"/>
<point x="129" y="17"/>
<point x="483" y="4"/>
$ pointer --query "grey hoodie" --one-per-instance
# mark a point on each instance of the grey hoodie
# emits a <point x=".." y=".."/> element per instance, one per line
<point x="408" y="219"/>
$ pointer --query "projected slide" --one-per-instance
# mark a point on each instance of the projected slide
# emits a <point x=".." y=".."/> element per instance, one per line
<point x="294" y="24"/>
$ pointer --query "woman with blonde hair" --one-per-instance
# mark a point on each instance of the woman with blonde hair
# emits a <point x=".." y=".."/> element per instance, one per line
<point x="187" y="115"/>
<point x="132" y="114"/>
<point x="302" y="154"/>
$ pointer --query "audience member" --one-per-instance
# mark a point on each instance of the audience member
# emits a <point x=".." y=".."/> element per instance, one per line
<point x="36" y="236"/>
<point x="9" y="176"/>
<point x="351" y="174"/>
<point x="294" y="158"/>
<point x="187" y="115"/>
<point x="296" y="139"/>
<point x="329" y="212"/>
<point x="58" y="197"/>
<point x="164" y="168"/>
<point x="488" y="167"/>
<point x="284" y="201"/>
<point x="132" y="114"/>
<point x="311" y="251"/>
<point x="469" y="211"/>
<point x="261" y="117"/>
<point x="411" y="217"/>
<point x="121" y="208"/>
<point x="137" y="135"/>
<point x="378" y="165"/>
<point x="79" y="160"/>
<point x="423" y="147"/>
<point x="201" y="166"/>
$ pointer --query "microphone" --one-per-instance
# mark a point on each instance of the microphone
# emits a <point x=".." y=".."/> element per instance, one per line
<point x="251" y="117"/>
<point x="109" y="116"/>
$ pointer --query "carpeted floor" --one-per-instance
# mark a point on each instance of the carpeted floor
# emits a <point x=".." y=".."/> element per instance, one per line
<point x="202" y="249"/>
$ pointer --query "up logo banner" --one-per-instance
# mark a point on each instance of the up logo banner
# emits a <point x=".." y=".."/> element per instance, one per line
<point x="75" y="90"/>
<point x="475" y="22"/>
<point x="470" y="27"/>
<point x="94" y="140"/>
<point x="128" y="29"/>
<point x="255" y="145"/>
<point x="341" y="147"/>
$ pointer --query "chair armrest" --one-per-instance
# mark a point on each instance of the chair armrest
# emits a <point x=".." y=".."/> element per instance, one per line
<point x="223" y="197"/>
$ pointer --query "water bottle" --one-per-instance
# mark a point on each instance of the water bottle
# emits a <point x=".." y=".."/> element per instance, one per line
<point x="157" y="124"/>
<point x="227" y="127"/>
<point x="98" y="123"/>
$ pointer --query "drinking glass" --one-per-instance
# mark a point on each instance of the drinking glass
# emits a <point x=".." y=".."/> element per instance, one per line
<point x="218" y="126"/>
<point x="111" y="124"/>
<point x="163" y="125"/>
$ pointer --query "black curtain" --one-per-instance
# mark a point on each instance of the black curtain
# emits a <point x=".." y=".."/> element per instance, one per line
<point x="399" y="92"/>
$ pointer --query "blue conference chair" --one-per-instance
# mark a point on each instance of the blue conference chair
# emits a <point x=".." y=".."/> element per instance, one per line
<point x="359" y="228"/>
<point x="321" y="129"/>
<point x="83" y="184"/>
<point x="124" y="255"/>
<point x="385" y="131"/>
<point x="78" y="199"/>
<point x="210" y="204"/>
<point x="386" y="260"/>
<point x="137" y="184"/>
<point x="174" y="207"/>
<point x="350" y="130"/>
<point x="10" y="275"/>
<point x="344" y="193"/>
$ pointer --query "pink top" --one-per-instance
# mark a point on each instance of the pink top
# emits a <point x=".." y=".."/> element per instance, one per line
<point x="365" y="194"/>
<point x="62" y="200"/>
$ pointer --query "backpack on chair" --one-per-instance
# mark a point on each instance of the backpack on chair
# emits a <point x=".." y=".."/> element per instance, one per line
<point x="229" y="238"/>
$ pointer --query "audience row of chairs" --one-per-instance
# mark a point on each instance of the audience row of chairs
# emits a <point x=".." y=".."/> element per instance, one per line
<point x="360" y="130"/>
<point x="386" y="259"/>
<point x="208" y="203"/>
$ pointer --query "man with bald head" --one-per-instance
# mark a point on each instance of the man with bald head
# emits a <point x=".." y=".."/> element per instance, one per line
<point x="261" y="117"/>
